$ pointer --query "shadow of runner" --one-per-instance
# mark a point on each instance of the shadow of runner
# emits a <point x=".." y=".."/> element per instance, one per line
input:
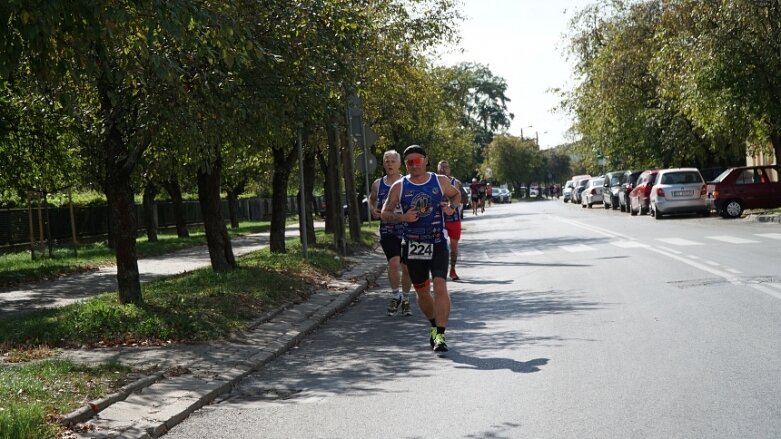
<point x="489" y="363"/>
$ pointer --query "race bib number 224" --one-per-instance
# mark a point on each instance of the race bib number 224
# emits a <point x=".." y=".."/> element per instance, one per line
<point x="420" y="251"/>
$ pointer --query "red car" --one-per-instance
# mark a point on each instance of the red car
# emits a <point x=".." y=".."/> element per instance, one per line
<point x="640" y="197"/>
<point x="745" y="187"/>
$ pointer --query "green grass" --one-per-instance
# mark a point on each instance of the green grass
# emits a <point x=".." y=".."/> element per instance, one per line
<point x="192" y="307"/>
<point x="19" y="267"/>
<point x="33" y="396"/>
<point x="195" y="306"/>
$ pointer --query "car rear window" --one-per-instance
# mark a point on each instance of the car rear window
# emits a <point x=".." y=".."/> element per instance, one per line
<point x="748" y="176"/>
<point x="683" y="177"/>
<point x="772" y="174"/>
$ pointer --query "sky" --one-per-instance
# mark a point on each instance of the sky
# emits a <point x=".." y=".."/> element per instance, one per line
<point x="523" y="42"/>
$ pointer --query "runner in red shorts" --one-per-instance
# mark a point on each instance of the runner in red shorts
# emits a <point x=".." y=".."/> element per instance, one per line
<point x="452" y="222"/>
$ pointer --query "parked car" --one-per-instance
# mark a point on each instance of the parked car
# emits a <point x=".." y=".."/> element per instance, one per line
<point x="566" y="192"/>
<point x="629" y="181"/>
<point x="745" y="187"/>
<point x="502" y="195"/>
<point x="611" y="187"/>
<point x="592" y="193"/>
<point x="640" y="196"/>
<point x="679" y="190"/>
<point x="578" y="187"/>
<point x="534" y="191"/>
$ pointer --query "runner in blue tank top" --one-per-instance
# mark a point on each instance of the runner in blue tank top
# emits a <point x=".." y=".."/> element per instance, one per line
<point x="391" y="235"/>
<point x="423" y="196"/>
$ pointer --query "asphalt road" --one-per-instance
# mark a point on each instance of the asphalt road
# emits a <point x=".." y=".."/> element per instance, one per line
<point x="569" y="323"/>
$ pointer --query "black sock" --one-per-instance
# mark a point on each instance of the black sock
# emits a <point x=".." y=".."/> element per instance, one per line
<point x="440" y="329"/>
<point x="433" y="322"/>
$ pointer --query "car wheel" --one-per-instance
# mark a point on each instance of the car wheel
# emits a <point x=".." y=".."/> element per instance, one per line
<point x="733" y="209"/>
<point x="655" y="213"/>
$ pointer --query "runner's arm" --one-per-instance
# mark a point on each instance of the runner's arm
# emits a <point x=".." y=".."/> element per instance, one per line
<point x="391" y="202"/>
<point x="376" y="210"/>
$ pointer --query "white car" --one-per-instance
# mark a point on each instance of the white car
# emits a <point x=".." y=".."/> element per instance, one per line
<point x="679" y="190"/>
<point x="592" y="194"/>
<point x="534" y="192"/>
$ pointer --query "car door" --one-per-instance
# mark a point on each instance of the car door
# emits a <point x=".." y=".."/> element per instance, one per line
<point x="773" y="187"/>
<point x="750" y="189"/>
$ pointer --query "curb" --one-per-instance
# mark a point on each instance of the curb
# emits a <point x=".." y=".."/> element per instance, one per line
<point x="151" y="406"/>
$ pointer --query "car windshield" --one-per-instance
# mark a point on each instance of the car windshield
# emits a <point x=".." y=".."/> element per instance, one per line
<point x="682" y="177"/>
<point x="598" y="181"/>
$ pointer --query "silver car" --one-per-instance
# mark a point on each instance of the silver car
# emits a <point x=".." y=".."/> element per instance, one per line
<point x="592" y="194"/>
<point x="679" y="190"/>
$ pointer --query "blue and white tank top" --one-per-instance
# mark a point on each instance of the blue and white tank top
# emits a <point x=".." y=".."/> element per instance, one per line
<point x="456" y="216"/>
<point x="425" y="198"/>
<point x="386" y="229"/>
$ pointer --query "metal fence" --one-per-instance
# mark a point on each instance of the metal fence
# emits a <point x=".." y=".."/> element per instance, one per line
<point x="92" y="221"/>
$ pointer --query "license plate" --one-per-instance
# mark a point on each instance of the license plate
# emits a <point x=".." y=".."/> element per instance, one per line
<point x="683" y="193"/>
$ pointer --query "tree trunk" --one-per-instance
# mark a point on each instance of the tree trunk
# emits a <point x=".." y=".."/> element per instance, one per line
<point x="309" y="186"/>
<point x="174" y="190"/>
<point x="217" y="239"/>
<point x="349" y="187"/>
<point x="283" y="164"/>
<point x="233" y="202"/>
<point x="150" y="211"/>
<point x="321" y="160"/>
<point x="119" y="160"/>
<point x="333" y="199"/>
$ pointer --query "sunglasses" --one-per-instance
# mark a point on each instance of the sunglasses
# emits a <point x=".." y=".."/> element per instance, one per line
<point x="415" y="162"/>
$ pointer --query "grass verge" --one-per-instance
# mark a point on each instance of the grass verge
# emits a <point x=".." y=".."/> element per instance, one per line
<point x="19" y="267"/>
<point x="198" y="306"/>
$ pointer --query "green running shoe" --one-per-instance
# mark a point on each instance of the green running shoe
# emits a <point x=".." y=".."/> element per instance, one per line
<point x="439" y="343"/>
<point x="432" y="335"/>
<point x="393" y="306"/>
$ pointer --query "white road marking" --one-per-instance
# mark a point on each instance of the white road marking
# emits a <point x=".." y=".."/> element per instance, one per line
<point x="732" y="239"/>
<point x="628" y="244"/>
<point x="678" y="241"/>
<point x="534" y="252"/>
<point x="734" y="271"/>
<point x="769" y="235"/>
<point x="667" y="249"/>
<point x="715" y="264"/>
<point x="696" y="258"/>
<point x="577" y="248"/>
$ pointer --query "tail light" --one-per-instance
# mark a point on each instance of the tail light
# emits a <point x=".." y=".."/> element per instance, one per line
<point x="703" y="190"/>
<point x="660" y="192"/>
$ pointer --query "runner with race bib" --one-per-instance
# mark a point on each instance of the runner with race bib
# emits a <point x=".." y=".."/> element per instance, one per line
<point x="423" y="197"/>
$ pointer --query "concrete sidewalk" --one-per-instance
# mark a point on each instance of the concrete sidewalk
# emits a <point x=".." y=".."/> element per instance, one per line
<point x="184" y="378"/>
<point x="69" y="289"/>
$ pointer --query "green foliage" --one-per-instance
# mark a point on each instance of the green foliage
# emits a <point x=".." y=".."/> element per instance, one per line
<point x="515" y="161"/>
<point x="675" y="83"/>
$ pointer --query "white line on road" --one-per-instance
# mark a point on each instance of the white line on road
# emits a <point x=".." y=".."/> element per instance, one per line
<point x="628" y="244"/>
<point x="732" y="239"/>
<point x="577" y="248"/>
<point x="678" y="241"/>
<point x="534" y="252"/>
<point x="769" y="235"/>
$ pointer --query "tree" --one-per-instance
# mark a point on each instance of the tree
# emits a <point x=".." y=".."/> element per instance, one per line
<point x="514" y="160"/>
<point x="723" y="61"/>
<point x="117" y="64"/>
